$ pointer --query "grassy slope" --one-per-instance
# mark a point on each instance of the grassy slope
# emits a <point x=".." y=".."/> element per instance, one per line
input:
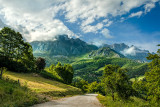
<point x="14" y="95"/>
<point x="133" y="102"/>
<point x="40" y="85"/>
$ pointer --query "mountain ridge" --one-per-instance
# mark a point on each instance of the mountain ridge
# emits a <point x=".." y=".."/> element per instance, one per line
<point x="62" y="46"/>
<point x="131" y="52"/>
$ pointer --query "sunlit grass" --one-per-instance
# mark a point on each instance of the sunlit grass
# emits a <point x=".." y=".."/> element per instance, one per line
<point x="14" y="95"/>
<point x="43" y="86"/>
<point x="132" y="102"/>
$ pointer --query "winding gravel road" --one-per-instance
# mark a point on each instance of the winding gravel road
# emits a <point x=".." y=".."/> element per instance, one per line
<point x="88" y="100"/>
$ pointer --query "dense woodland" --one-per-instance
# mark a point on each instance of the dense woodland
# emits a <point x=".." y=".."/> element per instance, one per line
<point x="16" y="55"/>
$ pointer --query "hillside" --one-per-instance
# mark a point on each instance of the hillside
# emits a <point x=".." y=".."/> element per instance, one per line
<point x="88" y="60"/>
<point x="14" y="95"/>
<point x="92" y="69"/>
<point x="105" y="51"/>
<point x="45" y="87"/>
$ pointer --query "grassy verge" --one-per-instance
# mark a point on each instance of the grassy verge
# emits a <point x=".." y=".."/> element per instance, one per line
<point x="133" y="102"/>
<point x="14" y="95"/>
<point x="45" y="87"/>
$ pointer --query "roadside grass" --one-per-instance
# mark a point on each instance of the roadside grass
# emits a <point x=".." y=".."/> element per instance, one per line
<point x="49" y="88"/>
<point x="133" y="102"/>
<point x="14" y="95"/>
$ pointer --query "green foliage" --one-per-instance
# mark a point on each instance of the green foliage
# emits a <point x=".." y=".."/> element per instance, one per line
<point x="96" y="87"/>
<point x="116" y="81"/>
<point x="14" y="52"/>
<point x="140" y="88"/>
<point x="82" y="84"/>
<point x="14" y="95"/>
<point x="50" y="75"/>
<point x="61" y="73"/>
<point x="65" y="72"/>
<point x="88" y="69"/>
<point x="40" y="63"/>
<point x="132" y="102"/>
<point x="153" y="78"/>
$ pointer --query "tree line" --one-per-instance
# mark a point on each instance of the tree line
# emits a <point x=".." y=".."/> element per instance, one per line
<point x="116" y="83"/>
<point x="17" y="55"/>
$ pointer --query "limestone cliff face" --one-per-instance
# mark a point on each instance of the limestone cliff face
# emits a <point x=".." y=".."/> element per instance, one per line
<point x="62" y="45"/>
<point x="107" y="52"/>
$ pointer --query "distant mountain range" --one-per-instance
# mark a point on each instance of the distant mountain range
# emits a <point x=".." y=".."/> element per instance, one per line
<point x="88" y="61"/>
<point x="131" y="52"/>
<point x="62" y="45"/>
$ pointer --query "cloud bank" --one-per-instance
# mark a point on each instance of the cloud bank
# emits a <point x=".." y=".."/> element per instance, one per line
<point x="36" y="19"/>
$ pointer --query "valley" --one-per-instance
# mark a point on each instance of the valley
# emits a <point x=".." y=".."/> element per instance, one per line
<point x="79" y="53"/>
<point x="89" y="60"/>
<point x="64" y="67"/>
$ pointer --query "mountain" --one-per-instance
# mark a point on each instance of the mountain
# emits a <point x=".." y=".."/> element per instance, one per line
<point x="62" y="46"/>
<point x="131" y="52"/>
<point x="117" y="47"/>
<point x="88" y="61"/>
<point x="107" y="52"/>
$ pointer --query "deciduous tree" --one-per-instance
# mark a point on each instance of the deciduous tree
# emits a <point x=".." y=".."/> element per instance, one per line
<point x="117" y="81"/>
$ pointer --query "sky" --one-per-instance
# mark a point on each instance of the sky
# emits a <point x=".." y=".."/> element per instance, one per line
<point x="134" y="22"/>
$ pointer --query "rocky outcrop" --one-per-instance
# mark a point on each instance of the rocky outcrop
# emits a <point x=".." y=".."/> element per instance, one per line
<point x="62" y="45"/>
<point x="131" y="52"/>
<point x="107" y="52"/>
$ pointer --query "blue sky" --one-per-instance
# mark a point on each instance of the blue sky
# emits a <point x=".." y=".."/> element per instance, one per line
<point x="134" y="22"/>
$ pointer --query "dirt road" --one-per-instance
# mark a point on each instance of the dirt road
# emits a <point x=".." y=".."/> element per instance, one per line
<point x="88" y="100"/>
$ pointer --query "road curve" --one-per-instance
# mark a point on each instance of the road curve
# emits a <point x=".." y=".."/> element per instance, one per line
<point x="88" y="100"/>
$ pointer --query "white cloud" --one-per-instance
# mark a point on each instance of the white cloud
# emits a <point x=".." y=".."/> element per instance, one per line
<point x="151" y="46"/>
<point x="133" y="50"/>
<point x="137" y="14"/>
<point x="38" y="17"/>
<point x="90" y="28"/>
<point x="130" y="51"/>
<point x="106" y="33"/>
<point x="149" y="6"/>
<point x="98" y="42"/>
<point x="90" y="11"/>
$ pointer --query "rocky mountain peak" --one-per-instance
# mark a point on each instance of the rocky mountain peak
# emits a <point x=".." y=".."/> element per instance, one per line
<point x="131" y="52"/>
<point x="63" y="45"/>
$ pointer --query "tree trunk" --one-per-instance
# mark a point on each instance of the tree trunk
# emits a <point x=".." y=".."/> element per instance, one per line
<point x="113" y="96"/>
<point x="1" y="73"/>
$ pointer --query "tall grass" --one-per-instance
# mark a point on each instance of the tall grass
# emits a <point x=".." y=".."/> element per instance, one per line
<point x="132" y="102"/>
<point x="46" y="87"/>
<point x="14" y="95"/>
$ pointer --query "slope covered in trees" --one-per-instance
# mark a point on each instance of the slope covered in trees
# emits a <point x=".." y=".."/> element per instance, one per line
<point x="91" y="69"/>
